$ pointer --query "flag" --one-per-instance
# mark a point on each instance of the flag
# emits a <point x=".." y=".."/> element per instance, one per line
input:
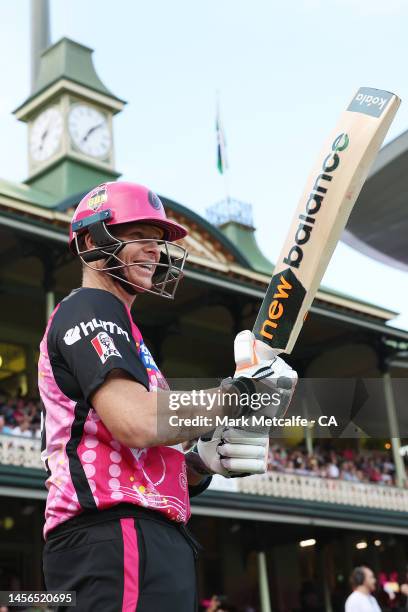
<point x="222" y="164"/>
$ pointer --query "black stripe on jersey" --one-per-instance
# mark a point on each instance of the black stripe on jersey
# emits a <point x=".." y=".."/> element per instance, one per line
<point x="44" y="437"/>
<point x="79" y="479"/>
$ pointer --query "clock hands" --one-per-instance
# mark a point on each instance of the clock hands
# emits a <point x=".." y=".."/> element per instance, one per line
<point x="44" y="135"/>
<point x="91" y="130"/>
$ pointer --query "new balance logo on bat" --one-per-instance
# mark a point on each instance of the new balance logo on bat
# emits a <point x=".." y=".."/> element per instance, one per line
<point x="278" y="313"/>
<point x="321" y="216"/>
<point x="315" y="201"/>
<point x="285" y="292"/>
<point x="74" y="334"/>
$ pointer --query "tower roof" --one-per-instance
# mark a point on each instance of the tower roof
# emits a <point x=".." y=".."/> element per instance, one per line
<point x="234" y="219"/>
<point x="67" y="62"/>
<point x="71" y="60"/>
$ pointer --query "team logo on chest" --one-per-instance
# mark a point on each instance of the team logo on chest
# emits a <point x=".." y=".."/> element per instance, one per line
<point x="104" y="346"/>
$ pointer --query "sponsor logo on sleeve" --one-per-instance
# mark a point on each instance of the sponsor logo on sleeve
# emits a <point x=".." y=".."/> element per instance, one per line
<point x="146" y="357"/>
<point x="84" y="329"/>
<point x="104" y="346"/>
<point x="72" y="335"/>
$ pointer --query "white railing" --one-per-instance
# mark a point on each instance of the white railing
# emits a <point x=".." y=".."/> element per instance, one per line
<point x="17" y="450"/>
<point x="25" y="452"/>
<point x="312" y="488"/>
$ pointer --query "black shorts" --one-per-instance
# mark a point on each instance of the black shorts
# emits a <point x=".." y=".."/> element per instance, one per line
<point x="139" y="562"/>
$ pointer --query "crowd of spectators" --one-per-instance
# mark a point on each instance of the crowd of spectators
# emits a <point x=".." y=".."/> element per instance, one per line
<point x="354" y="466"/>
<point x="20" y="416"/>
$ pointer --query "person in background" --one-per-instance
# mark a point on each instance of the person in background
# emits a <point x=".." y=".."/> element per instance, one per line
<point x="8" y="411"/>
<point x="4" y="429"/>
<point x="23" y="429"/>
<point x="363" y="583"/>
<point x="404" y="593"/>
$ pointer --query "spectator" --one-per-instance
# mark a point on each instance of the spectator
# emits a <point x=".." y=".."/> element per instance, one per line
<point x="23" y="429"/>
<point x="4" y="429"/>
<point x="8" y="411"/>
<point x="22" y="417"/>
<point x="349" y="454"/>
<point x="333" y="470"/>
<point x="215" y="604"/>
<point x="363" y="584"/>
<point x="373" y="467"/>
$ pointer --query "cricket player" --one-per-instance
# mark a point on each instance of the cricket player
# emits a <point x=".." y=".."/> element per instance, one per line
<point x="119" y="485"/>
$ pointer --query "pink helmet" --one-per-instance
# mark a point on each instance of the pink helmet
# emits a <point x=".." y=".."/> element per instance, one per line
<point x="112" y="204"/>
<point x="119" y="202"/>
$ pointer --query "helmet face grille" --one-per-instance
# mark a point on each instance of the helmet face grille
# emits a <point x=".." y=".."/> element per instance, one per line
<point x="168" y="271"/>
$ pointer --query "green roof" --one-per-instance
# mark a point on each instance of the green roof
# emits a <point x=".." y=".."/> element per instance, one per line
<point x="211" y="229"/>
<point x="239" y="241"/>
<point x="244" y="239"/>
<point x="67" y="59"/>
<point x="25" y="193"/>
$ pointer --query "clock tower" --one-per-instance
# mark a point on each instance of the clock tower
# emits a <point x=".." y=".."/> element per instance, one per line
<point x="69" y="117"/>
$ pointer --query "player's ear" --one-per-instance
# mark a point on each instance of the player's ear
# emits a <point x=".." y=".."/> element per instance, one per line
<point x="88" y="243"/>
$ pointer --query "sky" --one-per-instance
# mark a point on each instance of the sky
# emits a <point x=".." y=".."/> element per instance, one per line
<point x="285" y="72"/>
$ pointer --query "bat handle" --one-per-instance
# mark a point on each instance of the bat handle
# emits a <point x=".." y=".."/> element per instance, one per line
<point x="250" y="351"/>
<point x="265" y="351"/>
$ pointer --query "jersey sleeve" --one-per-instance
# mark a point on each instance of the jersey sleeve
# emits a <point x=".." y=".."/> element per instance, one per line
<point x="90" y="336"/>
<point x="195" y="490"/>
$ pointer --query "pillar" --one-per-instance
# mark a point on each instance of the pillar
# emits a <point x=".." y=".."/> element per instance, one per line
<point x="308" y="431"/>
<point x="394" y="430"/>
<point x="264" y="596"/>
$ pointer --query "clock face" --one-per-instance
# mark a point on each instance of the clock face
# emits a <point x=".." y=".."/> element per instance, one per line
<point x="89" y="130"/>
<point x="46" y="134"/>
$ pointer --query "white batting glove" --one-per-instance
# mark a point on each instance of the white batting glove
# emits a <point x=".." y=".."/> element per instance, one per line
<point x="255" y="360"/>
<point x="230" y="452"/>
<point x="244" y="452"/>
<point x="238" y="451"/>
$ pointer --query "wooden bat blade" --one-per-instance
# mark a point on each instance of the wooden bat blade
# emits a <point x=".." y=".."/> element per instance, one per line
<point x="329" y="196"/>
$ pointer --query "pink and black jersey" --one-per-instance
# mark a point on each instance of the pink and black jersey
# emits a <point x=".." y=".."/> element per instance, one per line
<point x="90" y="333"/>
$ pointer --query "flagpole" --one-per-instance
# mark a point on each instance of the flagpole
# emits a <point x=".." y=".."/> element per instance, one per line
<point x="222" y="159"/>
<point x="226" y="187"/>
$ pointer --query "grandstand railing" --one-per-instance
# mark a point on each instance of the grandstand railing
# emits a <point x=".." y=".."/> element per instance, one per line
<point x="335" y="491"/>
<point x="21" y="451"/>
<point x="25" y="452"/>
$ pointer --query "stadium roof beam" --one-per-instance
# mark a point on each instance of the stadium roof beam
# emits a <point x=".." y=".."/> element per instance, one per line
<point x="378" y="225"/>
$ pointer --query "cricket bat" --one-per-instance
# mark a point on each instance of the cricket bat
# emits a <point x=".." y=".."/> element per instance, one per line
<point x="327" y="201"/>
